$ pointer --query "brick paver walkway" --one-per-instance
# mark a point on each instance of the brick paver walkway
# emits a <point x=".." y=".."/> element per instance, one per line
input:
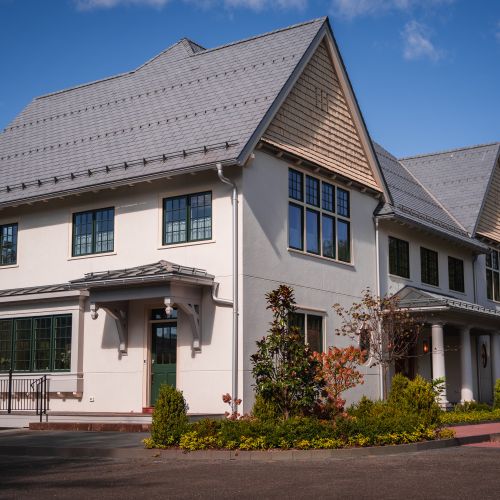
<point x="477" y="429"/>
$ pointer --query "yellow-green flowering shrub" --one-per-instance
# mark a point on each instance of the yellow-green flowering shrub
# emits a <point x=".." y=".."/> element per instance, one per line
<point x="452" y="417"/>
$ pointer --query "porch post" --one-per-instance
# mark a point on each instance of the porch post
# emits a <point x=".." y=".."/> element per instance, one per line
<point x="438" y="366"/>
<point x="466" y="365"/>
<point x="495" y="355"/>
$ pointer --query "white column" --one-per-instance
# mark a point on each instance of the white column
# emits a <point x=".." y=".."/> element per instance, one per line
<point x="466" y="365"/>
<point x="438" y="366"/>
<point x="495" y="356"/>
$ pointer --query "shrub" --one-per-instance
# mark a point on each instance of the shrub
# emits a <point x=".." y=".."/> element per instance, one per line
<point x="468" y="406"/>
<point x="416" y="397"/>
<point x="452" y="417"/>
<point x="283" y="368"/>
<point x="496" y="401"/>
<point x="169" y="417"/>
<point x="338" y="373"/>
<point x="265" y="410"/>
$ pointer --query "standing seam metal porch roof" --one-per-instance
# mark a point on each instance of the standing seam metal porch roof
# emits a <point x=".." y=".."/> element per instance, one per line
<point x="186" y="107"/>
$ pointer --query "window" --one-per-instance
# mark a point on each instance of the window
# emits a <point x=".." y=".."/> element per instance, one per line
<point x="93" y="232"/>
<point x="187" y="218"/>
<point x="8" y="245"/>
<point x="36" y="344"/>
<point x="399" y="257"/>
<point x="429" y="266"/>
<point x="312" y="224"/>
<point x="456" y="274"/>
<point x="492" y="276"/>
<point x="310" y="327"/>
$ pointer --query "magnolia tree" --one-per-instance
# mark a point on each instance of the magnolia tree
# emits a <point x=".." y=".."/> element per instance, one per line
<point x="386" y="331"/>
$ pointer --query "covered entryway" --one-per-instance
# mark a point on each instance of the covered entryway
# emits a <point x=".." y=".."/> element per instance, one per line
<point x="163" y="351"/>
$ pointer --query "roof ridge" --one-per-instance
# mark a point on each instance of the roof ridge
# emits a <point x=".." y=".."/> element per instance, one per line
<point x="262" y="35"/>
<point x="463" y="148"/>
<point x="204" y="51"/>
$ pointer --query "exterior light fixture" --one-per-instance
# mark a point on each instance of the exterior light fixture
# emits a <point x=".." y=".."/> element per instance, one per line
<point x="425" y="346"/>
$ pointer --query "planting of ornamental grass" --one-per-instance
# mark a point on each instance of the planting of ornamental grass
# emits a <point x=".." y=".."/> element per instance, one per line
<point x="299" y="401"/>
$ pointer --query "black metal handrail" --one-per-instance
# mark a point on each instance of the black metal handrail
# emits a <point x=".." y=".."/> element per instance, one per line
<point x="18" y="393"/>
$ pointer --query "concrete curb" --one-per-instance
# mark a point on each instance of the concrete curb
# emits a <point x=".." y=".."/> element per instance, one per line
<point x="272" y="455"/>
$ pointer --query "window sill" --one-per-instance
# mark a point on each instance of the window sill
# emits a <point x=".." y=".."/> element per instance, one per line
<point x="9" y="266"/>
<point x="92" y="256"/>
<point x="320" y="257"/>
<point x="186" y="244"/>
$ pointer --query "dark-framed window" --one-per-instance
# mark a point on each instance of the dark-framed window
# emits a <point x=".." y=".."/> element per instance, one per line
<point x="429" y="266"/>
<point x="399" y="257"/>
<point x="93" y="232"/>
<point x="310" y="327"/>
<point x="492" y="276"/>
<point x="36" y="344"/>
<point x="187" y="218"/>
<point x="456" y="274"/>
<point x="318" y="217"/>
<point x="8" y="244"/>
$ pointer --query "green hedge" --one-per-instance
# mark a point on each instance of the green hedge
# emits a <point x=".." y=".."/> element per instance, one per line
<point x="462" y="417"/>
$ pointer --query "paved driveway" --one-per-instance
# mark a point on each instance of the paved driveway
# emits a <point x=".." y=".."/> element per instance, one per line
<point x="455" y="473"/>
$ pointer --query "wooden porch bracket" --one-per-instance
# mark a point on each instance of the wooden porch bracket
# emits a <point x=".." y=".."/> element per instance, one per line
<point x="120" y="315"/>
<point x="192" y="311"/>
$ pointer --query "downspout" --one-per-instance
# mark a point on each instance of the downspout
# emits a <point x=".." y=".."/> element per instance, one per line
<point x="234" y="201"/>
<point x="379" y="293"/>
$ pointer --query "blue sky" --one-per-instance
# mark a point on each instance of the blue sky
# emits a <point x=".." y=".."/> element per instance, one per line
<point x="426" y="72"/>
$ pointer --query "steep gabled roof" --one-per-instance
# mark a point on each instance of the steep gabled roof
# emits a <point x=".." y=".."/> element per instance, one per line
<point x="413" y="203"/>
<point x="184" y="109"/>
<point x="459" y="179"/>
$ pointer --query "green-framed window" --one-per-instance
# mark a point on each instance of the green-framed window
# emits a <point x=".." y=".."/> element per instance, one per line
<point x="310" y="327"/>
<point x="399" y="257"/>
<point x="8" y="244"/>
<point x="187" y="218"/>
<point x="456" y="274"/>
<point x="36" y="344"/>
<point x="93" y="232"/>
<point x="493" y="275"/>
<point x="318" y="217"/>
<point x="429" y="266"/>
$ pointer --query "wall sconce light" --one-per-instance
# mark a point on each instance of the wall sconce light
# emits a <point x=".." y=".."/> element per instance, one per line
<point x="425" y="346"/>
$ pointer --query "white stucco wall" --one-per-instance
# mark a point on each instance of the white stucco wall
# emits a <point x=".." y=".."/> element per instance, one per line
<point x="318" y="282"/>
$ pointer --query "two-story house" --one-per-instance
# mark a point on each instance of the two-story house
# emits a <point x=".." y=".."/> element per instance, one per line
<point x="144" y="217"/>
<point x="439" y="252"/>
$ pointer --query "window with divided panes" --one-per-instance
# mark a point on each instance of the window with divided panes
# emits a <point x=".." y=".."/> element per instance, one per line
<point x="429" y="266"/>
<point x="318" y="217"/>
<point x="456" y="274"/>
<point x="8" y="244"/>
<point x="93" y="232"/>
<point x="492" y="276"/>
<point x="36" y="344"/>
<point x="310" y="327"/>
<point x="399" y="257"/>
<point x="187" y="218"/>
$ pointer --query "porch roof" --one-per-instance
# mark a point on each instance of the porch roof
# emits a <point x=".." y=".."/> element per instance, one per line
<point x="159" y="271"/>
<point x="418" y="299"/>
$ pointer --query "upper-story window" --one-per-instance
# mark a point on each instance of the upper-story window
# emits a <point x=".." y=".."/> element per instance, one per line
<point x="429" y="266"/>
<point x="456" y="274"/>
<point x="8" y="244"/>
<point x="318" y="217"/>
<point x="93" y="232"/>
<point x="187" y="218"/>
<point x="399" y="257"/>
<point x="36" y="344"/>
<point x="492" y="276"/>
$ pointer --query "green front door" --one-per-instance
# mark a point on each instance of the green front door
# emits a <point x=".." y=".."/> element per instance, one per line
<point x="164" y="352"/>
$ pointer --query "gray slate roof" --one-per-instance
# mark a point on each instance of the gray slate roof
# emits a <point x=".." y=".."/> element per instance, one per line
<point x="13" y="292"/>
<point x="458" y="179"/>
<point x="186" y="107"/>
<point x="413" y="203"/>
<point x="161" y="270"/>
<point x="413" y="297"/>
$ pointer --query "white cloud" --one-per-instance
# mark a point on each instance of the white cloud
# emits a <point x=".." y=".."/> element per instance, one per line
<point x="354" y="8"/>
<point x="256" y="5"/>
<point x="417" y="43"/>
<point x="107" y="4"/>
